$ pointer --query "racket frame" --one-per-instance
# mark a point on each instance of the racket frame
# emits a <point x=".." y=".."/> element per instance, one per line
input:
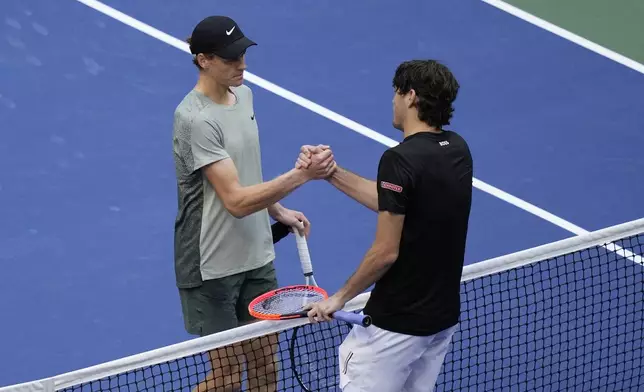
<point x="341" y="315"/>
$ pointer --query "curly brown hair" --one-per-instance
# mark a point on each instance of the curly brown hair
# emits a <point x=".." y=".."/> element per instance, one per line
<point x="435" y="86"/>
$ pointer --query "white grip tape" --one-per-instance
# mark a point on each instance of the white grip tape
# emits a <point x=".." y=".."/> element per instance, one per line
<point x="303" y="251"/>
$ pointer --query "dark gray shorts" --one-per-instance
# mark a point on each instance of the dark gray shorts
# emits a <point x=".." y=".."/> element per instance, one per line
<point x="221" y="304"/>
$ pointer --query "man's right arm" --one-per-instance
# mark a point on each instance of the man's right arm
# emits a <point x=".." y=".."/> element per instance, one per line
<point x="360" y="189"/>
<point x="241" y="200"/>
<point x="210" y="156"/>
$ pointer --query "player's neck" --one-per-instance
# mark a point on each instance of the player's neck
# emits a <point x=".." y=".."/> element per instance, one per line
<point x="218" y="93"/>
<point x="415" y="126"/>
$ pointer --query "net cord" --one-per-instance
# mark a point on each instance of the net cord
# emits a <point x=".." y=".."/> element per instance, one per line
<point x="603" y="237"/>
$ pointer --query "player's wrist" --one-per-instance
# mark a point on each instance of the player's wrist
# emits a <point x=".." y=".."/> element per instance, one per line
<point x="343" y="296"/>
<point x="276" y="210"/>
<point x="333" y="178"/>
<point x="300" y="176"/>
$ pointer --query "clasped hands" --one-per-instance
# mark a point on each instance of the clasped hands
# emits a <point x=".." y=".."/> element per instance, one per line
<point x="316" y="161"/>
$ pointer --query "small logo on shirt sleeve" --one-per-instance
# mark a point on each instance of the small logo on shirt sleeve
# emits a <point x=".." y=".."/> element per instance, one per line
<point x="390" y="186"/>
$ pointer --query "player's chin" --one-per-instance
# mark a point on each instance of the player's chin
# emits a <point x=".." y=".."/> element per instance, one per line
<point x="237" y="81"/>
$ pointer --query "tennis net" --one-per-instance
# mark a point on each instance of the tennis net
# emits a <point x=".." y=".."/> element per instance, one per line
<point x="566" y="316"/>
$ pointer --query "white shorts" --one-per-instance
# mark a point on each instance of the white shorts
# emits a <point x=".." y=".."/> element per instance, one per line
<point x="373" y="359"/>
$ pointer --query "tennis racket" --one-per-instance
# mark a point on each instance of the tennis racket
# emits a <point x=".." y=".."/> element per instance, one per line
<point x="313" y="347"/>
<point x="286" y="303"/>
<point x="311" y="367"/>
<point x="309" y="277"/>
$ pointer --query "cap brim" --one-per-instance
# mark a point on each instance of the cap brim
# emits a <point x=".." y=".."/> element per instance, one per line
<point x="235" y="50"/>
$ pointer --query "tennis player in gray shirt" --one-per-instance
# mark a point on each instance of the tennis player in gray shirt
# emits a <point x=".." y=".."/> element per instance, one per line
<point x="223" y="243"/>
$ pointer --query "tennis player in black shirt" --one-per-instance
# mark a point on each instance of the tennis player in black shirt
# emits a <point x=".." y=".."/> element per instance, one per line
<point x="423" y="197"/>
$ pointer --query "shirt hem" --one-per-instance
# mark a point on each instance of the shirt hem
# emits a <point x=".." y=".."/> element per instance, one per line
<point x="415" y="332"/>
<point x="245" y="268"/>
<point x="189" y="285"/>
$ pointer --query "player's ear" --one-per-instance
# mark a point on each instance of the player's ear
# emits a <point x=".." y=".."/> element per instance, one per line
<point x="205" y="60"/>
<point x="411" y="98"/>
<point x="201" y="60"/>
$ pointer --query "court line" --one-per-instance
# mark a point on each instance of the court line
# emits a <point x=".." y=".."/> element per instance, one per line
<point x="563" y="33"/>
<point x="333" y="116"/>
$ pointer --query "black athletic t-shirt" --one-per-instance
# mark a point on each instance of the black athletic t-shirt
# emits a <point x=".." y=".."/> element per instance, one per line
<point x="428" y="178"/>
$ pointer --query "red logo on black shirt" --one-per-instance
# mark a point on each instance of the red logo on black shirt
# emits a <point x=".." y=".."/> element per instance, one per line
<point x="390" y="186"/>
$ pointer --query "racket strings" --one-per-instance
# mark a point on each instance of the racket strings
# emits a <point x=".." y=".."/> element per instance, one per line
<point x="287" y="302"/>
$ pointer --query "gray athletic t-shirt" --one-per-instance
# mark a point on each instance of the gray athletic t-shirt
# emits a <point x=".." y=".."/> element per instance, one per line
<point x="211" y="243"/>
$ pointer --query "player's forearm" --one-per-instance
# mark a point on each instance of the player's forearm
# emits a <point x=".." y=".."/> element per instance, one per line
<point x="376" y="263"/>
<point x="250" y="199"/>
<point x="360" y="189"/>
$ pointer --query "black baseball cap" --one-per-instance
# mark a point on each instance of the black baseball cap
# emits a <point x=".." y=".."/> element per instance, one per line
<point x="219" y="35"/>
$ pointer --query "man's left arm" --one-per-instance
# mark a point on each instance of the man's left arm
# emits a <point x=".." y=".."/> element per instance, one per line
<point x="379" y="258"/>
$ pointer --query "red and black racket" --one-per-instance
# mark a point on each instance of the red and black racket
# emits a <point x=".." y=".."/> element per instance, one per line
<point x="288" y="303"/>
<point x="312" y="368"/>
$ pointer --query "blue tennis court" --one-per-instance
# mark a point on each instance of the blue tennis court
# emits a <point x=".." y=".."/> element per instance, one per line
<point x="87" y="191"/>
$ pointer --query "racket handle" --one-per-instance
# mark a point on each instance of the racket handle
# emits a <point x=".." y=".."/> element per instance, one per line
<point x="303" y="251"/>
<point x="353" y="318"/>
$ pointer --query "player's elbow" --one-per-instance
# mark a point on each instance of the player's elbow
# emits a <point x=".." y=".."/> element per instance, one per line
<point x="370" y="201"/>
<point x="391" y="257"/>
<point x="234" y="205"/>
<point x="388" y="256"/>
<point x="236" y="211"/>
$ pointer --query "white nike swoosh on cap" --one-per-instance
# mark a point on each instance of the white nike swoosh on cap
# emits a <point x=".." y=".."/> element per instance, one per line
<point x="231" y="31"/>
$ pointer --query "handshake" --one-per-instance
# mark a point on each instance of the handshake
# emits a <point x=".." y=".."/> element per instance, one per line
<point x="317" y="162"/>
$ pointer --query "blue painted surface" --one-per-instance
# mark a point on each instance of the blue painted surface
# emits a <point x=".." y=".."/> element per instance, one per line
<point x="87" y="193"/>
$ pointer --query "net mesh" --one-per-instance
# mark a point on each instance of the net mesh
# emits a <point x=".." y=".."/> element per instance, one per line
<point x="570" y="322"/>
